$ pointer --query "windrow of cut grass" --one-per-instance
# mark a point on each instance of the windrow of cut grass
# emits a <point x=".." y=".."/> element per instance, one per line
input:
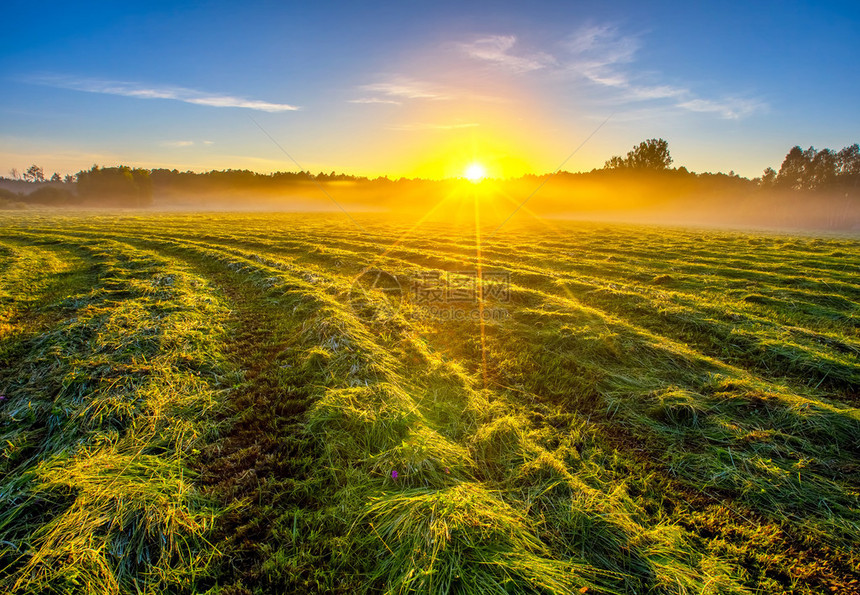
<point x="579" y="356"/>
<point x="28" y="274"/>
<point x="815" y="357"/>
<point x="103" y="408"/>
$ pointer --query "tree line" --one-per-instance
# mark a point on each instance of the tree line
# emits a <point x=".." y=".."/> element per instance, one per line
<point x="815" y="170"/>
<point x="120" y="186"/>
<point x="801" y="170"/>
<point x="134" y="187"/>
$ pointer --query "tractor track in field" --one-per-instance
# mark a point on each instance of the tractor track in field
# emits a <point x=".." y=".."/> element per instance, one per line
<point x="256" y="467"/>
<point x="261" y="448"/>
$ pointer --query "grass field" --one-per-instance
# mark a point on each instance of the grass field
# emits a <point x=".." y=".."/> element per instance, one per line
<point x="238" y="404"/>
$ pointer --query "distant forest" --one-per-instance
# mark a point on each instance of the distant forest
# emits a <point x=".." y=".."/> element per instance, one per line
<point x="643" y="181"/>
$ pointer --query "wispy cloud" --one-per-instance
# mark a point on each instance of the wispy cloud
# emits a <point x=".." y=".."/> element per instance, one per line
<point x="178" y="143"/>
<point x="375" y="100"/>
<point x="656" y="92"/>
<point x="595" y="50"/>
<point x="729" y="108"/>
<point x="398" y="89"/>
<point x="600" y="54"/>
<point x="141" y="91"/>
<point x="603" y="56"/>
<point x="431" y="126"/>
<point x="497" y="49"/>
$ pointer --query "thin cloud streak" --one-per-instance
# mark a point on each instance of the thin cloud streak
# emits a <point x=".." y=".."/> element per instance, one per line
<point x="371" y="100"/>
<point x="496" y="48"/>
<point x="657" y="92"/>
<point x="399" y="90"/>
<point x="402" y="88"/>
<point x="730" y="109"/>
<point x="140" y="91"/>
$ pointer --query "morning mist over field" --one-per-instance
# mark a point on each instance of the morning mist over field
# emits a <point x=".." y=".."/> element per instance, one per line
<point x="430" y="298"/>
<point x="812" y="190"/>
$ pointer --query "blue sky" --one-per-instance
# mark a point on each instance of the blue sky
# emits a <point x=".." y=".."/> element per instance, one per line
<point x="419" y="88"/>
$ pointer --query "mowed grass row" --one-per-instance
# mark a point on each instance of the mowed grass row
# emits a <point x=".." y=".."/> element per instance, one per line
<point x="619" y="453"/>
<point x="691" y="280"/>
<point x="106" y="383"/>
<point x="747" y="330"/>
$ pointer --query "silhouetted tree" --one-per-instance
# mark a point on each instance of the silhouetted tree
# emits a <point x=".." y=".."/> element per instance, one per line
<point x="816" y="170"/>
<point x="768" y="178"/>
<point x="848" y="160"/>
<point x="823" y="169"/>
<point x="56" y="177"/>
<point x="793" y="173"/>
<point x="616" y="162"/>
<point x="14" y="173"/>
<point x="650" y="154"/>
<point x="34" y="173"/>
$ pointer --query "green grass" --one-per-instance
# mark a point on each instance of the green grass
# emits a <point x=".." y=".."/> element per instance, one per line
<point x="199" y="403"/>
<point x="103" y="405"/>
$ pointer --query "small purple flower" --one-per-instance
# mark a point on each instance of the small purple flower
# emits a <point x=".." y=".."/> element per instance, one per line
<point x="2" y="398"/>
<point x="394" y="474"/>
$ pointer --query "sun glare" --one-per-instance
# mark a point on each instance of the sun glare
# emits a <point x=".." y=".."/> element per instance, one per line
<point x="475" y="172"/>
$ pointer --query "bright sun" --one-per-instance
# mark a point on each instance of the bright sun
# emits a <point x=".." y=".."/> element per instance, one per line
<point x="475" y="172"/>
